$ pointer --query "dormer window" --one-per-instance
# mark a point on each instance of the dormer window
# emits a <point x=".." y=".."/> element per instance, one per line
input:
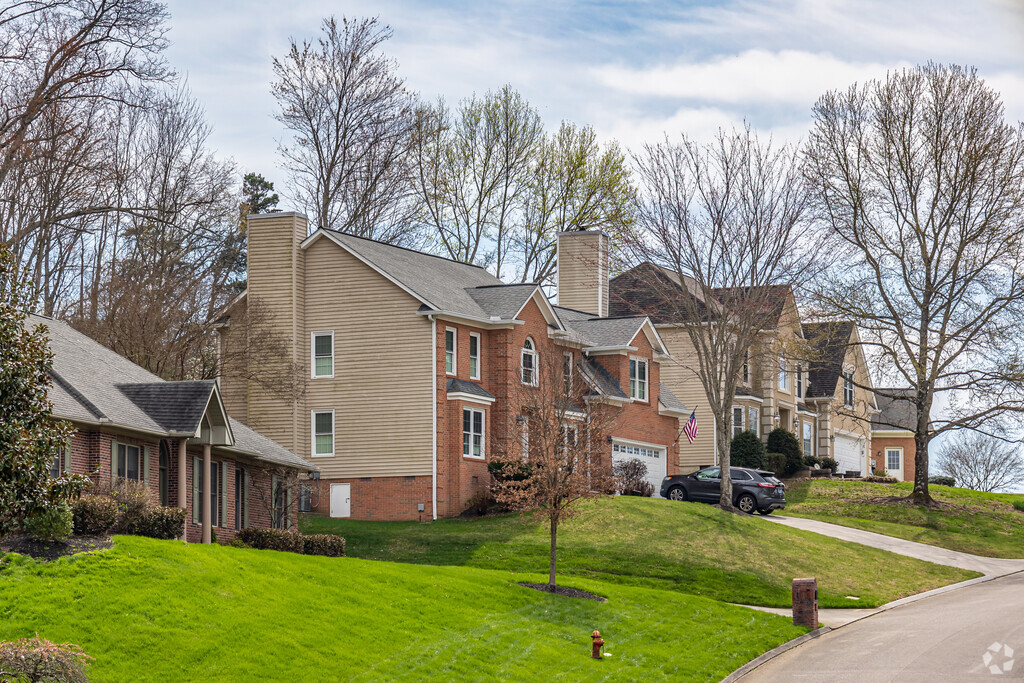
<point x="528" y="363"/>
<point x="638" y="379"/>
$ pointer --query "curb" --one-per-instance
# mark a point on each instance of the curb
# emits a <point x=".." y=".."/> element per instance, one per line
<point x="775" y="652"/>
<point x="817" y="633"/>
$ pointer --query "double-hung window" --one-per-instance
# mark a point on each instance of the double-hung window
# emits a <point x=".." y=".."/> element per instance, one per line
<point x="783" y="374"/>
<point x="323" y="354"/>
<point x="55" y="464"/>
<point x="567" y="373"/>
<point x="241" y="498"/>
<point x="753" y="420"/>
<point x="450" y="340"/>
<point x="474" y="355"/>
<point x="746" y="368"/>
<point x="737" y="421"/>
<point x="638" y="379"/>
<point x="164" y="478"/>
<point x="528" y="363"/>
<point x="323" y="433"/>
<point x="472" y="433"/>
<point x="128" y="462"/>
<point x="848" y="388"/>
<point x="799" y="381"/>
<point x="808" y="438"/>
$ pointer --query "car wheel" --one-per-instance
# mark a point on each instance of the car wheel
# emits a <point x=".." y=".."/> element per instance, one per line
<point x="746" y="503"/>
<point x="677" y="493"/>
<point x="766" y="511"/>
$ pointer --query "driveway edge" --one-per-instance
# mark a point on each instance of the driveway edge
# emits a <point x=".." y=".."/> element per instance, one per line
<point x="775" y="652"/>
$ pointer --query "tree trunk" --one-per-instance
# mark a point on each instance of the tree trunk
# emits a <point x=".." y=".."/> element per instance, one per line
<point x="554" y="545"/>
<point x="722" y="428"/>
<point x="920" y="494"/>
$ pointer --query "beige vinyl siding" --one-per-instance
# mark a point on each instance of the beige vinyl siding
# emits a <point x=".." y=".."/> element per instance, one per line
<point x="583" y="272"/>
<point x="275" y="279"/>
<point x="858" y="420"/>
<point x="381" y="391"/>
<point x="232" y="343"/>
<point x="685" y="384"/>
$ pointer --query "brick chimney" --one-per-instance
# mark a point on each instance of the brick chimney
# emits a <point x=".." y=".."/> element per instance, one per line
<point x="582" y="276"/>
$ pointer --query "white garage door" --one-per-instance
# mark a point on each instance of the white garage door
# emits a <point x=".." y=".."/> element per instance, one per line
<point x="850" y="453"/>
<point x="652" y="456"/>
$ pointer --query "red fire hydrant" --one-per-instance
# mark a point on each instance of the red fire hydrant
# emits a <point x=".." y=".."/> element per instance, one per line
<point x="598" y="644"/>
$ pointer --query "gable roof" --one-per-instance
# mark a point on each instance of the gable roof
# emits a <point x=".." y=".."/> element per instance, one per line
<point x="92" y="384"/>
<point x="894" y="412"/>
<point x="608" y="333"/>
<point x="604" y="384"/>
<point x="670" y="401"/>
<point x="829" y="342"/>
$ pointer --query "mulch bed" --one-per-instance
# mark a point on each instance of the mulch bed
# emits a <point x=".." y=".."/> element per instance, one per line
<point x="23" y="544"/>
<point x="564" y="591"/>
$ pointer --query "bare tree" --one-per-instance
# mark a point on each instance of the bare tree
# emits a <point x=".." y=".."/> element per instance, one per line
<point x="921" y="179"/>
<point x="981" y="462"/>
<point x="553" y="454"/>
<point x="719" y="226"/>
<point x="351" y="120"/>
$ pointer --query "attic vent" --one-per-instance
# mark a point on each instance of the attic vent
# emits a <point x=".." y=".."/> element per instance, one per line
<point x="495" y="317"/>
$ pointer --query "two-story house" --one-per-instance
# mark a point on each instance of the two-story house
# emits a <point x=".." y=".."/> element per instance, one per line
<point x="790" y="379"/>
<point x="413" y="361"/>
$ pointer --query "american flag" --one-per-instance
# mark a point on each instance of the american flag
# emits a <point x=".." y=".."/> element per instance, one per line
<point x="691" y="427"/>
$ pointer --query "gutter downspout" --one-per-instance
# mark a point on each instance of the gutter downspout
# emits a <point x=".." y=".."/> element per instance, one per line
<point x="433" y="415"/>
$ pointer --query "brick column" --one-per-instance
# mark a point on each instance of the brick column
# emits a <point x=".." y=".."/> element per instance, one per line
<point x="805" y="602"/>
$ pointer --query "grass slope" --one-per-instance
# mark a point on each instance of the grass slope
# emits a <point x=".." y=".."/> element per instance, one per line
<point x="162" y="610"/>
<point x="687" y="547"/>
<point x="990" y="524"/>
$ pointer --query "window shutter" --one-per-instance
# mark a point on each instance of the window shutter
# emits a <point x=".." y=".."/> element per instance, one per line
<point x="288" y="508"/>
<point x="273" y="502"/>
<point x="245" y="498"/>
<point x="224" y="493"/>
<point x="67" y="459"/>
<point x="196" y="473"/>
<point x="113" y="462"/>
<point x="145" y="465"/>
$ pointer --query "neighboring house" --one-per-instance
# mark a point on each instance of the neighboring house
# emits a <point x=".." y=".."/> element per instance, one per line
<point x="781" y="384"/>
<point x="173" y="436"/>
<point x="892" y="434"/>
<point x="413" y="360"/>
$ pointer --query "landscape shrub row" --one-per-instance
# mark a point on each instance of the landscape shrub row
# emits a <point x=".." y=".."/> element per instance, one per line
<point x="126" y="508"/>
<point x="327" y="545"/>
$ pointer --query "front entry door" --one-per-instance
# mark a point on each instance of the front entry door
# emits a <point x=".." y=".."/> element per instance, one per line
<point x="341" y="505"/>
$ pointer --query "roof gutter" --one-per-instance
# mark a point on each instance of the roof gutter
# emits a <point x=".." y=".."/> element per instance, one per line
<point x="488" y="323"/>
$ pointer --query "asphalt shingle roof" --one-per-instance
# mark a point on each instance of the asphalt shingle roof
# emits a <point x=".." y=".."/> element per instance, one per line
<point x="601" y="379"/>
<point x="829" y="342"/>
<point x="597" y="331"/>
<point x="670" y="400"/>
<point x="92" y="383"/>
<point x="895" y="413"/>
<point x="466" y="387"/>
<point x="503" y="301"/>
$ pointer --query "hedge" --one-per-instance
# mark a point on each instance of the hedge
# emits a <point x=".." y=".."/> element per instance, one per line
<point x="327" y="545"/>
<point x="271" y="539"/>
<point x="94" y="515"/>
<point x="52" y="523"/>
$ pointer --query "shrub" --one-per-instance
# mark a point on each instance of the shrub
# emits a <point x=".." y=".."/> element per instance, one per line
<point x="327" y="545"/>
<point x="94" y="515"/>
<point x="162" y="522"/>
<point x="747" y="450"/>
<point x="942" y="480"/>
<point x="480" y="502"/>
<point x="783" y="441"/>
<point x="239" y="543"/>
<point x="51" y="523"/>
<point x="271" y="539"/>
<point x="134" y="501"/>
<point x="811" y="461"/>
<point x="509" y="470"/>
<point x="776" y="462"/>
<point x="881" y="480"/>
<point x="629" y="474"/>
<point x="830" y="464"/>
<point x="35" y="659"/>
<point x="644" y="489"/>
<point x="1018" y="504"/>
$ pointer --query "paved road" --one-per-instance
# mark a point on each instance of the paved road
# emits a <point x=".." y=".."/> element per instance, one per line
<point x="990" y="566"/>
<point x="942" y="638"/>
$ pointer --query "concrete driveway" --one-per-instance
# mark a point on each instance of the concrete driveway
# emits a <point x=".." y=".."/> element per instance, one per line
<point x="942" y="638"/>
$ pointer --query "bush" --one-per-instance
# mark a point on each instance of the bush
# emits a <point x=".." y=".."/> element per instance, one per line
<point x="783" y="441"/>
<point x="629" y="477"/>
<point x="35" y="659"/>
<point x="644" y="488"/>
<point x="271" y="539"/>
<point x="509" y="470"/>
<point x="942" y="480"/>
<point x="811" y="461"/>
<point x="1018" y="504"/>
<point x="51" y="523"/>
<point x="480" y="502"/>
<point x="327" y="545"/>
<point x="747" y="450"/>
<point x="134" y="501"/>
<point x="881" y="480"/>
<point x="163" y="523"/>
<point x="830" y="464"/>
<point x="776" y="462"/>
<point x="94" y="515"/>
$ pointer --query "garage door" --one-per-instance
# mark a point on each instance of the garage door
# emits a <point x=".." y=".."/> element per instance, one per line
<point x="652" y="456"/>
<point x="850" y="453"/>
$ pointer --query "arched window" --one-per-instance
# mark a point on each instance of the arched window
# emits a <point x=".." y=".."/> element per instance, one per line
<point x="528" y="363"/>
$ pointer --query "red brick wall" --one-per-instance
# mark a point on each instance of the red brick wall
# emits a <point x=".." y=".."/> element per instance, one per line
<point x="380" y="498"/>
<point x="880" y="443"/>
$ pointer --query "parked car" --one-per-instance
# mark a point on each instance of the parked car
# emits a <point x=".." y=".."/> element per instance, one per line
<point x="753" y="490"/>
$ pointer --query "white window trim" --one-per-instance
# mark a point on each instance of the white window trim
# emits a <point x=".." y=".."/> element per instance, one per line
<point x="471" y="398"/>
<point x="647" y="380"/>
<point x="743" y="414"/>
<point x="533" y="353"/>
<point x="885" y="459"/>
<point x="853" y="388"/>
<point x="312" y="353"/>
<point x="804" y="425"/>
<point x="567" y="356"/>
<point x="312" y="434"/>
<point x="799" y="381"/>
<point x="483" y="435"/>
<point x="756" y="426"/>
<point x="472" y="336"/>
<point x="455" y="351"/>
<point x="783" y="375"/>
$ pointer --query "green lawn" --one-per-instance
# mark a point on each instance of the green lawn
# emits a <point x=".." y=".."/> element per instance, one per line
<point x="685" y="547"/>
<point x="980" y="523"/>
<point x="166" y="611"/>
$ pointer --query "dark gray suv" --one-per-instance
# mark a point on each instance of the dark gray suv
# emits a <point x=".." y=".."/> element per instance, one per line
<point x="753" y="490"/>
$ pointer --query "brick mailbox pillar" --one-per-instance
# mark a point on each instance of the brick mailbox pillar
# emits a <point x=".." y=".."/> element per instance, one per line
<point x="805" y="602"/>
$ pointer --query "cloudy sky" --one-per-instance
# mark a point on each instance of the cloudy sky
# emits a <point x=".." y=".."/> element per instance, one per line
<point x="633" y="70"/>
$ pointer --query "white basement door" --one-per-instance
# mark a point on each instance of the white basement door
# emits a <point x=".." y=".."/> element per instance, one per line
<point x="850" y="453"/>
<point x="341" y="505"/>
<point x="652" y="456"/>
